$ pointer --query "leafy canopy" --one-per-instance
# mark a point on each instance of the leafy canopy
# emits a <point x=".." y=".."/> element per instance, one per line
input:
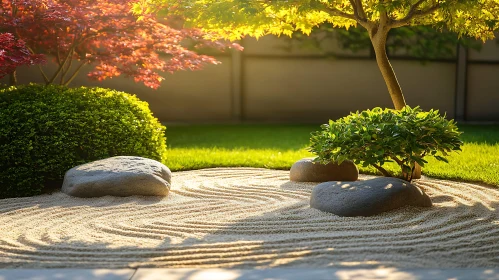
<point x="235" y="18"/>
<point x="423" y="42"/>
<point x="106" y="35"/>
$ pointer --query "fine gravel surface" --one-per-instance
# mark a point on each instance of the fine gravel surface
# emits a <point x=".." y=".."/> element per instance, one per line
<point x="248" y="218"/>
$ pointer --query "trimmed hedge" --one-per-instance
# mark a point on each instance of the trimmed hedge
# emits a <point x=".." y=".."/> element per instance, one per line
<point x="46" y="130"/>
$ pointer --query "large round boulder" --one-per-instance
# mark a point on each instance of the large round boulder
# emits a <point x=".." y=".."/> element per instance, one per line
<point x="118" y="176"/>
<point x="306" y="170"/>
<point x="367" y="198"/>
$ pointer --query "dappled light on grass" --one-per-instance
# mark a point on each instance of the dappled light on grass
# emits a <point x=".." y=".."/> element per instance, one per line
<point x="242" y="136"/>
<point x="279" y="146"/>
<point x="263" y="146"/>
<point x="192" y="158"/>
<point x="480" y="134"/>
<point x="477" y="162"/>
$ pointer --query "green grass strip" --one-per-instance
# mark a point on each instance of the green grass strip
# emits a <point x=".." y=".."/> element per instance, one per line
<point x="279" y="146"/>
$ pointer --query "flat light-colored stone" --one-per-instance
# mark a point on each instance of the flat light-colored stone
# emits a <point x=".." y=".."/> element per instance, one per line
<point x="118" y="176"/>
<point x="306" y="170"/>
<point x="367" y="198"/>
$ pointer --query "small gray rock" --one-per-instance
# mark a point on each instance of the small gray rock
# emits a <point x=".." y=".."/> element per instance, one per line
<point x="367" y="198"/>
<point x="306" y="170"/>
<point x="118" y="176"/>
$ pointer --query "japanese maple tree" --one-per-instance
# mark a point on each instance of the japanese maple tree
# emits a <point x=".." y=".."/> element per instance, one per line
<point x="14" y="53"/>
<point x="106" y="35"/>
<point x="233" y="19"/>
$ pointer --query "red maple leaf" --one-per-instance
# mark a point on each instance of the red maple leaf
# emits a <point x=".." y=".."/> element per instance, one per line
<point x="106" y="35"/>
<point x="14" y="53"/>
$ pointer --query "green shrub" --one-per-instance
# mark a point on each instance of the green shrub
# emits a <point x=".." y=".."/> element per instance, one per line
<point x="376" y="136"/>
<point x="46" y="130"/>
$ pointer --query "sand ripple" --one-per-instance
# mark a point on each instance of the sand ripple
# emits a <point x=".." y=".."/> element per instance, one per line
<point x="246" y="217"/>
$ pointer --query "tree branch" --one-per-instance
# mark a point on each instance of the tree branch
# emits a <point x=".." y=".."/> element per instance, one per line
<point x="384" y="18"/>
<point x="407" y="176"/>
<point x="361" y="11"/>
<point x="58" y="56"/>
<point x="65" y="71"/>
<point x="414" y="7"/>
<point x="382" y="170"/>
<point x="59" y="69"/>
<point x="354" y="8"/>
<point x="415" y="13"/>
<point x="398" y="161"/>
<point x="336" y="12"/>
<point x="75" y="73"/>
<point x="45" y="78"/>
<point x="13" y="78"/>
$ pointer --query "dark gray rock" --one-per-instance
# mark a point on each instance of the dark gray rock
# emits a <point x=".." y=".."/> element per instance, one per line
<point x="305" y="170"/>
<point x="367" y="198"/>
<point x="118" y="176"/>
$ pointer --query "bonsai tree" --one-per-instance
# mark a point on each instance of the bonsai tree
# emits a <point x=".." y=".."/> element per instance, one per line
<point x="233" y="19"/>
<point x="374" y="137"/>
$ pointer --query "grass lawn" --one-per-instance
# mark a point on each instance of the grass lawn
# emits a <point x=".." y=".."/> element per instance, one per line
<point x="279" y="146"/>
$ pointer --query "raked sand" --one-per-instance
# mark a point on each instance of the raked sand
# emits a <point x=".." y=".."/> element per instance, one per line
<point x="248" y="218"/>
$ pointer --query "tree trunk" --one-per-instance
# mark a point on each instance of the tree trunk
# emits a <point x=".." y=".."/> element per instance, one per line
<point x="378" y="37"/>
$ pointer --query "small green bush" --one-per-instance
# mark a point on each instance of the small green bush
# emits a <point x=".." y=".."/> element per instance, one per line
<point x="376" y="136"/>
<point x="46" y="130"/>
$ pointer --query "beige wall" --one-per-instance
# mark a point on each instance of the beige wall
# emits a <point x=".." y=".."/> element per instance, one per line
<point x="316" y="90"/>
<point x="310" y="90"/>
<point x="284" y="46"/>
<point x="272" y="83"/>
<point x="483" y="93"/>
<point x="430" y="85"/>
<point x="483" y="84"/>
<point x="489" y="51"/>
<point x="281" y="84"/>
